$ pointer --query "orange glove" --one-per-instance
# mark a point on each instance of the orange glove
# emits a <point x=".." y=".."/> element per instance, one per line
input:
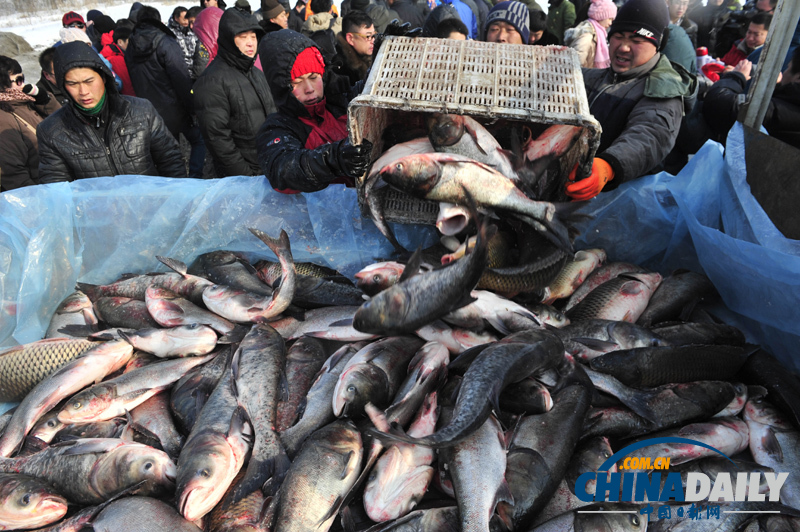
<point x="590" y="186"/>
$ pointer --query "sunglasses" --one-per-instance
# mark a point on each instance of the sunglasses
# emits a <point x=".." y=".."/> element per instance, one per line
<point x="19" y="80"/>
<point x="79" y="25"/>
<point x="370" y="37"/>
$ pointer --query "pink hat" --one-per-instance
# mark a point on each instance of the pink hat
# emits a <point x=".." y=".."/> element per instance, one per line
<point x="602" y="9"/>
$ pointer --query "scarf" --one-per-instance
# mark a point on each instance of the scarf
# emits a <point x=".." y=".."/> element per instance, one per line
<point x="15" y="95"/>
<point x="94" y="111"/>
<point x="325" y="128"/>
<point x="601" y="57"/>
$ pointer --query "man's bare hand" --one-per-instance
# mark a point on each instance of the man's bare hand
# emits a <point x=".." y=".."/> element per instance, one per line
<point x="744" y="67"/>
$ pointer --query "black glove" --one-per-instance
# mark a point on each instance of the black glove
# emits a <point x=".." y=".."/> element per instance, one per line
<point x="395" y="29"/>
<point x="354" y="160"/>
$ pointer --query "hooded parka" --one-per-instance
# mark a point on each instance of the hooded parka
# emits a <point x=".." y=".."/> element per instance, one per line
<point x="127" y="138"/>
<point x="282" y="151"/>
<point x="159" y="72"/>
<point x="233" y="99"/>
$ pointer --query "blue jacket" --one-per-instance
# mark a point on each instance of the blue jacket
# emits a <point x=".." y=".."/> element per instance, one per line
<point x="467" y="16"/>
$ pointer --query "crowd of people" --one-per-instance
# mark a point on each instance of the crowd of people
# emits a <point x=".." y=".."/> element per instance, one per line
<point x="265" y="91"/>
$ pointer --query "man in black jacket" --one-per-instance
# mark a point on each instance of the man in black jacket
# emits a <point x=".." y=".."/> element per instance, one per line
<point x="232" y="98"/>
<point x="160" y="74"/>
<point x="98" y="132"/>
<point x="354" y="46"/>
<point x="304" y="146"/>
<point x="782" y="121"/>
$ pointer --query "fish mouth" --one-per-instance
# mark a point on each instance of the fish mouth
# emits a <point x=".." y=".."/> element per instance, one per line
<point x="190" y="504"/>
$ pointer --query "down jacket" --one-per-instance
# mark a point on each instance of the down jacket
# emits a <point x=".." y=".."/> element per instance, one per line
<point x="159" y="72"/>
<point x="232" y="100"/>
<point x="640" y="111"/>
<point x="136" y="140"/>
<point x="281" y="140"/>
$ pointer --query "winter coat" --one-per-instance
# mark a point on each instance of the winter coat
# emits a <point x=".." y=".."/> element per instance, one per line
<point x="704" y="17"/>
<point x="679" y="49"/>
<point x="323" y="29"/>
<point x="19" y="149"/>
<point x="560" y="17"/>
<point x="159" y="73"/>
<point x="136" y="140"/>
<point x="782" y="121"/>
<point x="690" y="27"/>
<point x="232" y="100"/>
<point x="282" y="154"/>
<point x="116" y="56"/>
<point x="381" y="15"/>
<point x="466" y="15"/>
<point x="186" y="38"/>
<point x="408" y="12"/>
<point x="640" y="112"/>
<point x="56" y="96"/>
<point x="296" y="20"/>
<point x="737" y="52"/>
<point x="350" y="63"/>
<point x="437" y="15"/>
<point x="583" y="39"/>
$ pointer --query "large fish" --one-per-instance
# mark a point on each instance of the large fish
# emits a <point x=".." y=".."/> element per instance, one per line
<point x="510" y="360"/>
<point x="328" y="323"/>
<point x="573" y="274"/>
<point x="673" y="295"/>
<point x="416" y="300"/>
<point x="402" y="474"/>
<point x="24" y="366"/>
<point x="124" y="312"/>
<point x="374" y="375"/>
<point x="489" y="308"/>
<point x="214" y="452"/>
<point x="181" y="341"/>
<point x="76" y="309"/>
<point x="588" y="339"/>
<point x="775" y="443"/>
<point x="623" y="298"/>
<point x="379" y="276"/>
<point x="28" y="502"/>
<point x="91" y="367"/>
<point x="600" y="276"/>
<point x="170" y="310"/>
<point x="258" y="370"/>
<point x="190" y="393"/>
<point x="536" y="466"/>
<point x="92" y="471"/>
<point x="463" y="135"/>
<point x="116" y="396"/>
<point x="318" y="408"/>
<point x="303" y="362"/>
<point x="229" y="269"/>
<point x="187" y="286"/>
<point x="321" y="474"/>
<point x="141" y="514"/>
<point x="153" y="416"/>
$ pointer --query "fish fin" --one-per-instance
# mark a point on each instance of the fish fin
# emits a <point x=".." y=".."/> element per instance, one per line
<point x="333" y="510"/>
<point x="412" y="268"/>
<point x="347" y="322"/>
<point x="347" y="520"/>
<point x="83" y="331"/>
<point x="122" y="334"/>
<point x="87" y="446"/>
<point x="597" y="345"/>
<point x="32" y="444"/>
<point x="504" y="494"/>
<point x="174" y="265"/>
<point x="240" y="425"/>
<point x="92" y="291"/>
<point x="235" y="368"/>
<point x="772" y="446"/>
<point x="235" y="336"/>
<point x="465" y="358"/>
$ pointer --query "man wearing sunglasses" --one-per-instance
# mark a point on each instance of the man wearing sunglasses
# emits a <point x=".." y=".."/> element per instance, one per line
<point x="73" y="20"/>
<point x="354" y="46"/>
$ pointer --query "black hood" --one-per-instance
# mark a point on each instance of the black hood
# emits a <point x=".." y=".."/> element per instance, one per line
<point x="78" y="54"/>
<point x="145" y="39"/>
<point x="232" y="23"/>
<point x="283" y="47"/>
<point x="439" y="13"/>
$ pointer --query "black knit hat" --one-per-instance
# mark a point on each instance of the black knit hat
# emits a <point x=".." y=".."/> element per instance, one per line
<point x="645" y="18"/>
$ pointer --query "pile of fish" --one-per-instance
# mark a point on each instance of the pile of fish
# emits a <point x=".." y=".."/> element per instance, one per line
<point x="253" y="395"/>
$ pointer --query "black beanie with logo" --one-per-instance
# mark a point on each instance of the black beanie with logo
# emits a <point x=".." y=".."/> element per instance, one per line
<point x="644" y="18"/>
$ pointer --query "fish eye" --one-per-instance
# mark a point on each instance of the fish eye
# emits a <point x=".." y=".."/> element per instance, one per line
<point x="148" y="466"/>
<point x="399" y="167"/>
<point x="76" y="405"/>
<point x="605" y="454"/>
<point x="205" y="473"/>
<point x="635" y="520"/>
<point x="51" y="423"/>
<point x="25" y="500"/>
<point x="376" y="278"/>
<point x="351" y="389"/>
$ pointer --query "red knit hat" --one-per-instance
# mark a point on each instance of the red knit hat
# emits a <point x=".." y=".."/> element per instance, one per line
<point x="71" y="17"/>
<point x="309" y="60"/>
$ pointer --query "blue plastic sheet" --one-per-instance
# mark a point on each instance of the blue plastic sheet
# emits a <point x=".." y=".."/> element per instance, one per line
<point x="94" y="230"/>
<point x="705" y="219"/>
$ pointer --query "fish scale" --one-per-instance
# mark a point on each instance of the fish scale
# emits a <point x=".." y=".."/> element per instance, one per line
<point x="23" y="367"/>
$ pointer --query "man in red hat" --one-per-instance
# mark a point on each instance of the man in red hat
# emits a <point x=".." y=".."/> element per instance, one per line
<point x="73" y="20"/>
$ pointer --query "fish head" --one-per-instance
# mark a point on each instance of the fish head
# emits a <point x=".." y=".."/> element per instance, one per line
<point x="549" y="315"/>
<point x="416" y="174"/>
<point x="377" y="277"/>
<point x="760" y="411"/>
<point x="392" y="489"/>
<point x="89" y="405"/>
<point x="158" y="292"/>
<point x="358" y="385"/>
<point x="611" y="522"/>
<point x="204" y="475"/>
<point x="47" y="427"/>
<point x="628" y="336"/>
<point x="129" y="464"/>
<point x="373" y="316"/>
<point x="444" y="129"/>
<point x="196" y="335"/>
<point x="75" y="302"/>
<point x="27" y="502"/>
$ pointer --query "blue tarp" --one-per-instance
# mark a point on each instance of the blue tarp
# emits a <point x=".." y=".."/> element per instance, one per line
<point x="703" y="219"/>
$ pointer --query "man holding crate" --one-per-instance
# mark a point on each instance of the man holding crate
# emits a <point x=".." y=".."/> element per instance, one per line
<point x="638" y="100"/>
